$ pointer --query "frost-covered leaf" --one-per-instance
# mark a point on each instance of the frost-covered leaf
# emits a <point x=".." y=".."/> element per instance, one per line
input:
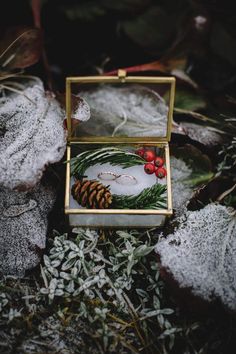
<point x="80" y="110"/>
<point x="156" y="302"/>
<point x="23" y="232"/>
<point x="203" y="134"/>
<point x="53" y="271"/>
<point x="142" y="293"/>
<point x="13" y="313"/>
<point x="44" y="291"/>
<point x="46" y="261"/>
<point x="142" y="251"/>
<point x="65" y="276"/>
<point x="34" y="136"/>
<point x="161" y="320"/>
<point x="130" y="266"/>
<point x="59" y="292"/>
<point x="70" y="287"/>
<point x="201" y="253"/>
<point x="167" y="311"/>
<point x="53" y="285"/>
<point x="55" y="263"/>
<point x="181" y="192"/>
<point x="72" y="255"/>
<point x="189" y="168"/>
<point x="168" y="332"/>
<point x="68" y="264"/>
<point x="200" y="162"/>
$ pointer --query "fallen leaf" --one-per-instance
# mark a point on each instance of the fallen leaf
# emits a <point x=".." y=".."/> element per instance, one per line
<point x="192" y="101"/>
<point x="212" y="191"/>
<point x="195" y="115"/>
<point x="23" y="218"/>
<point x="153" y="29"/>
<point x="172" y="66"/>
<point x="200" y="253"/>
<point x="226" y="193"/>
<point x="205" y="135"/>
<point x="194" y="157"/>
<point x="79" y="108"/>
<point x="165" y="66"/>
<point x="34" y="136"/>
<point x="23" y="51"/>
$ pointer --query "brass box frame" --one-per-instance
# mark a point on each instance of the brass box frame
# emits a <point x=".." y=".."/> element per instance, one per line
<point x="147" y="141"/>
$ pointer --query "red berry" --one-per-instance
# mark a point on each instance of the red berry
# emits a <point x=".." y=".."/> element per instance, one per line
<point x="149" y="155"/>
<point x="149" y="168"/>
<point x="161" y="172"/>
<point x="159" y="162"/>
<point x="140" y="152"/>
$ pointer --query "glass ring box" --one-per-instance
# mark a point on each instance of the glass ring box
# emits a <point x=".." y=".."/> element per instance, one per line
<point x="118" y="164"/>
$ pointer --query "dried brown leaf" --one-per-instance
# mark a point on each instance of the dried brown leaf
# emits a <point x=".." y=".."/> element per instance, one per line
<point x="20" y="49"/>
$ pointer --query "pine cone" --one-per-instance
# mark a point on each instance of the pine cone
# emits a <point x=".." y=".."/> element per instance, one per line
<point x="91" y="194"/>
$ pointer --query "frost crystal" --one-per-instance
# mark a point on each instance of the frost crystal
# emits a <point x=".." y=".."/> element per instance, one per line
<point x="134" y="111"/>
<point x="201" y="253"/>
<point x="31" y="136"/>
<point x="23" y="220"/>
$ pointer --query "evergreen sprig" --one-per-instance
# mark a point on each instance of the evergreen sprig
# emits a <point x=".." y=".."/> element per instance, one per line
<point x="113" y="155"/>
<point x="150" y="198"/>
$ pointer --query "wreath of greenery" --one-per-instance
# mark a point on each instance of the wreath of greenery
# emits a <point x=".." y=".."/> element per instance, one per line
<point x="153" y="197"/>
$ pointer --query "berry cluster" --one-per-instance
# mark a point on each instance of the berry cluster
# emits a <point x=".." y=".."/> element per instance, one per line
<point x="154" y="163"/>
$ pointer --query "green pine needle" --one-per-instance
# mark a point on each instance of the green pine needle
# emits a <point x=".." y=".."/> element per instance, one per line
<point x="150" y="198"/>
<point x="113" y="155"/>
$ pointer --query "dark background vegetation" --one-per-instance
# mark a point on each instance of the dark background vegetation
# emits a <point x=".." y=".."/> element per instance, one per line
<point x="197" y="38"/>
<point x="83" y="37"/>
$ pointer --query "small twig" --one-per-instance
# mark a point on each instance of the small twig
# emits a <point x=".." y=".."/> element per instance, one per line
<point x="135" y="317"/>
<point x="23" y="76"/>
<point x="14" y="83"/>
<point x="7" y="76"/>
<point x="119" y="320"/>
<point x="9" y="88"/>
<point x="44" y="277"/>
<point x="225" y="193"/>
<point x="197" y="115"/>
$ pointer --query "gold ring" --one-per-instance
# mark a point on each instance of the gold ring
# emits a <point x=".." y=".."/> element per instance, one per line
<point x="107" y="176"/>
<point x="121" y="179"/>
<point x="126" y="180"/>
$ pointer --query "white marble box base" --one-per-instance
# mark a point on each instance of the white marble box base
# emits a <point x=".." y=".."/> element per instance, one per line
<point x="117" y="221"/>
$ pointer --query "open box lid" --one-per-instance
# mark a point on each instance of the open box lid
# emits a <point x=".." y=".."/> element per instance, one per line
<point x="122" y="99"/>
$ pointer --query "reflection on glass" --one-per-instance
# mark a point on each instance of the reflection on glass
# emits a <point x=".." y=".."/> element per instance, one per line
<point x="130" y="110"/>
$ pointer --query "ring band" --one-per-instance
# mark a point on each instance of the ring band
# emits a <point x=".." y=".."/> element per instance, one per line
<point x="121" y="179"/>
<point x="105" y="176"/>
